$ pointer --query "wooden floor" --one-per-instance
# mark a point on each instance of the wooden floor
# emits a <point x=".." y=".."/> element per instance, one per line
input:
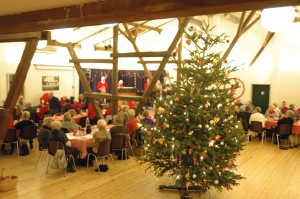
<point x="270" y="173"/>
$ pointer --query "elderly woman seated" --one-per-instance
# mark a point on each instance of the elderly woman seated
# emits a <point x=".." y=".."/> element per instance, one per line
<point x="99" y="135"/>
<point x="59" y="136"/>
<point x="69" y="123"/>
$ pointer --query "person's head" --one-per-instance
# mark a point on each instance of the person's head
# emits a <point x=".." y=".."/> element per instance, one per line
<point x="64" y="97"/>
<point x="257" y="109"/>
<point x="292" y="106"/>
<point x="148" y="81"/>
<point x="118" y="119"/>
<point x="283" y="103"/>
<point x="146" y="114"/>
<point x="131" y="113"/>
<point x="50" y="95"/>
<point x="247" y="109"/>
<point x="72" y="112"/>
<point x="67" y="116"/>
<point x="81" y="97"/>
<point x="47" y="122"/>
<point x="21" y="98"/>
<point x="102" y="79"/>
<point x="120" y="81"/>
<point x="101" y="124"/>
<point x="125" y="108"/>
<point x="289" y="113"/>
<point x="56" y="125"/>
<point x="275" y="105"/>
<point x="271" y="108"/>
<point x="25" y="115"/>
<point x="76" y="101"/>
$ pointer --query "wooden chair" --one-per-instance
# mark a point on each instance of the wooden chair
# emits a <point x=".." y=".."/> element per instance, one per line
<point x="120" y="142"/>
<point x="53" y="146"/>
<point x="257" y="127"/>
<point x="28" y="132"/>
<point x="11" y="137"/>
<point x="284" y="132"/>
<point x="103" y="151"/>
<point x="42" y="152"/>
<point x="245" y="127"/>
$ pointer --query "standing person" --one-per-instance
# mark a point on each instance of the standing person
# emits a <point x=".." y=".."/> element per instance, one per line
<point x="102" y="86"/>
<point x="20" y="104"/>
<point x="58" y="136"/>
<point x="54" y="104"/>
<point x="92" y="114"/>
<point x="25" y="121"/>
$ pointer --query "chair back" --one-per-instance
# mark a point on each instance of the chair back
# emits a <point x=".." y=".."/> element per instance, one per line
<point x="245" y="124"/>
<point x="11" y="136"/>
<point x="40" y="145"/>
<point x="285" y="129"/>
<point x="133" y="138"/>
<point x="104" y="148"/>
<point x="82" y="121"/>
<point x="118" y="142"/>
<point x="53" y="146"/>
<point x="28" y="132"/>
<point x="256" y="126"/>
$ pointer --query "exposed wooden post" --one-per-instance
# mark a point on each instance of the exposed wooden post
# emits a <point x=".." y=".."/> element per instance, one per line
<point x="17" y="86"/>
<point x="115" y="71"/>
<point x="165" y="59"/>
<point x="84" y="80"/>
<point x="242" y="28"/>
<point x="179" y="52"/>
<point x="132" y="40"/>
<point x="266" y="42"/>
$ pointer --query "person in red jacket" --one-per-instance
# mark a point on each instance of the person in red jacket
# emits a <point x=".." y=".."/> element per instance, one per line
<point x="77" y="105"/>
<point x="92" y="114"/>
<point x="102" y="86"/>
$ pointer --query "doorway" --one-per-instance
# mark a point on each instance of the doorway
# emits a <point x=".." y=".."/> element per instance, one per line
<point x="261" y="96"/>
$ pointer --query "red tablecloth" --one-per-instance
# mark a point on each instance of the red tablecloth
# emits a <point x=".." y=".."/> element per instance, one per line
<point x="76" y="118"/>
<point x="81" y="143"/>
<point x="295" y="129"/>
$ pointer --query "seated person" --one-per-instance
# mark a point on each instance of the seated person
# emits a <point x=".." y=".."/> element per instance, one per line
<point x="45" y="131"/>
<point x="286" y="118"/>
<point x="147" y="119"/>
<point x="67" y="106"/>
<point x="68" y="123"/>
<point x="245" y="117"/>
<point x="99" y="135"/>
<point x="283" y="107"/>
<point x="59" y="136"/>
<point x="119" y="128"/>
<point x="77" y="105"/>
<point x="83" y="101"/>
<point x="124" y="112"/>
<point x="33" y="113"/>
<point x="63" y="100"/>
<point x="25" y="121"/>
<point x="12" y="145"/>
<point x="272" y="113"/>
<point x="132" y="123"/>
<point x="257" y="116"/>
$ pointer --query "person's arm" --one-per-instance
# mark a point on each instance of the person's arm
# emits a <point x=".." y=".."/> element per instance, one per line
<point x="68" y="143"/>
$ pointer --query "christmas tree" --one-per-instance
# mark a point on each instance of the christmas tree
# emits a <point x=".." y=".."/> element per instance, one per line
<point x="196" y="138"/>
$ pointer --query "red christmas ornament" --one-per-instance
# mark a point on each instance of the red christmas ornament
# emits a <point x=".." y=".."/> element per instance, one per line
<point x="218" y="137"/>
<point x="199" y="61"/>
<point x="202" y="154"/>
<point x="232" y="89"/>
<point x="227" y="41"/>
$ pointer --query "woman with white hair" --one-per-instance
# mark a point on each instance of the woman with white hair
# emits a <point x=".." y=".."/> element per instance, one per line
<point x="286" y="118"/>
<point x="99" y="135"/>
<point x="102" y="85"/>
<point x="45" y="131"/>
<point x="272" y="113"/>
<point x="68" y="123"/>
<point x="25" y="121"/>
<point x="132" y="123"/>
<point x="59" y="136"/>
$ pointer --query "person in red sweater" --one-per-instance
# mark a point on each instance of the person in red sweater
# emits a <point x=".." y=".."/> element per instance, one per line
<point x="120" y="84"/>
<point x="102" y="86"/>
<point x="92" y="114"/>
<point x="77" y="105"/>
<point x="42" y="110"/>
<point x="132" y="123"/>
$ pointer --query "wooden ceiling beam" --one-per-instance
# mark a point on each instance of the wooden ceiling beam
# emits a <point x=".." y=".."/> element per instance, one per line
<point x="145" y="26"/>
<point x="25" y="36"/>
<point x="95" y="13"/>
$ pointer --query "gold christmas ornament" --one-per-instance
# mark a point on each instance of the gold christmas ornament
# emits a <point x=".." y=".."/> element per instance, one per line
<point x="194" y="176"/>
<point x="199" y="126"/>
